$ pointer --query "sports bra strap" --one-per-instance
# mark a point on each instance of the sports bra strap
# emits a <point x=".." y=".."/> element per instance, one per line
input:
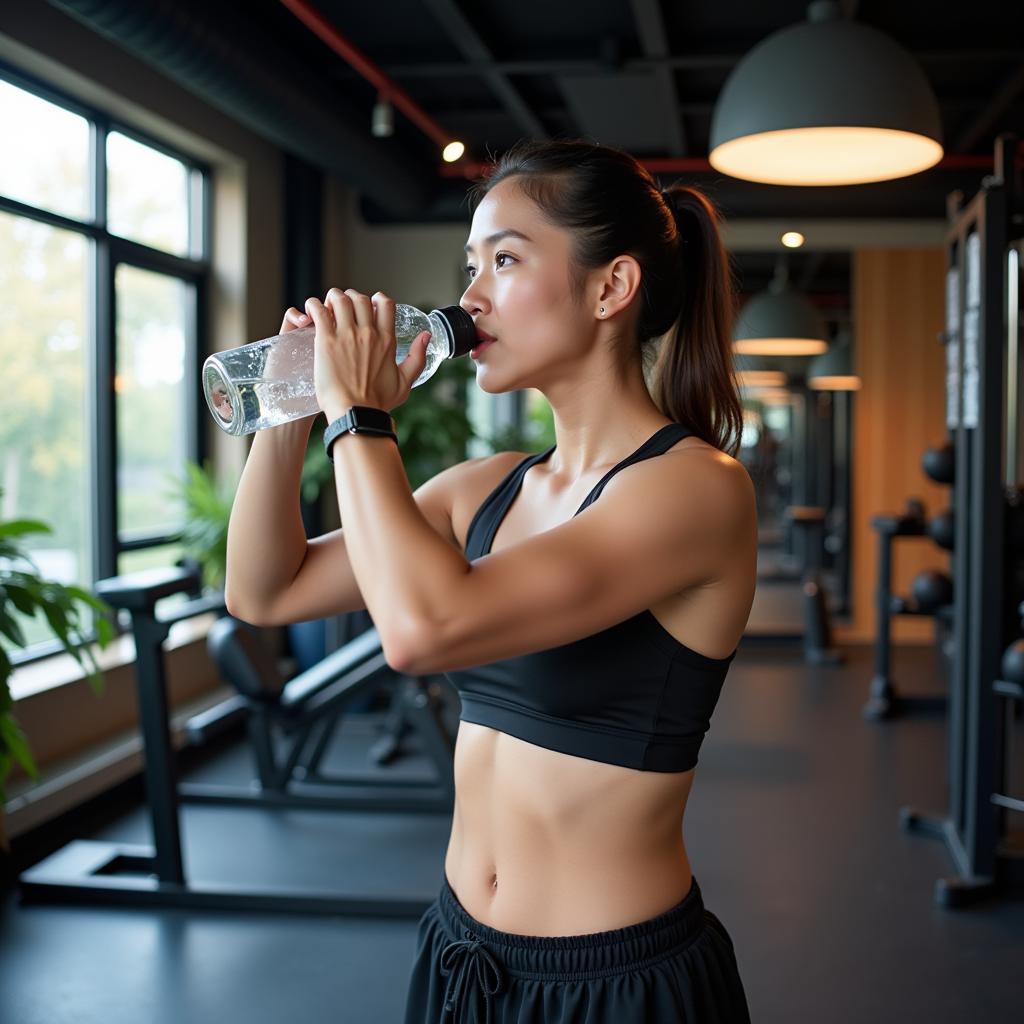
<point x="657" y="444"/>
<point x="489" y="515"/>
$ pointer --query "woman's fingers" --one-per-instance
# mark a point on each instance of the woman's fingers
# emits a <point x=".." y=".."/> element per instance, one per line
<point x="294" y="319"/>
<point x="362" y="308"/>
<point x="319" y="314"/>
<point x="384" y="312"/>
<point x="339" y="305"/>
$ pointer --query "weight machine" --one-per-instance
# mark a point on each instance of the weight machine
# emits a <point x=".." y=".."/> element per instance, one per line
<point x="984" y="417"/>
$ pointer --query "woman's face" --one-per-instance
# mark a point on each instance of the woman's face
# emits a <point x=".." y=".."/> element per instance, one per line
<point x="518" y="292"/>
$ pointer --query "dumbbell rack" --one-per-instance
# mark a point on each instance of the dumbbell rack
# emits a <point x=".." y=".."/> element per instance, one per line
<point x="984" y="418"/>
<point x="883" y="700"/>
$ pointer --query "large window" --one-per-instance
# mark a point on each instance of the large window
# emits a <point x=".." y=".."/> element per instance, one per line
<point x="103" y="268"/>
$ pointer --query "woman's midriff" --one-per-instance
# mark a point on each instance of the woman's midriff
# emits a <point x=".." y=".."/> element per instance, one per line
<point x="548" y="844"/>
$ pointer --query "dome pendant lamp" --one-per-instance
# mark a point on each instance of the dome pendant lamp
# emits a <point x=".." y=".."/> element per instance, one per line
<point x="827" y="102"/>
<point x="833" y="370"/>
<point x="780" y="321"/>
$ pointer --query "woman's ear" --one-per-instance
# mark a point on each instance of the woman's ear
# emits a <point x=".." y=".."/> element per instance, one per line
<point x="618" y="285"/>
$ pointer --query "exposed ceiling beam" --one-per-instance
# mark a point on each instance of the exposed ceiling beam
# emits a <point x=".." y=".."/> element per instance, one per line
<point x="647" y="14"/>
<point x="474" y="49"/>
<point x="679" y="62"/>
<point x="986" y="118"/>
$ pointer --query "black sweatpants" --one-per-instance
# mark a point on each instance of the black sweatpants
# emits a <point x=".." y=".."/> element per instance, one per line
<point x="676" y="968"/>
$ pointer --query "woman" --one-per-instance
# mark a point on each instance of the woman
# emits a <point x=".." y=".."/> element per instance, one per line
<point x="587" y="601"/>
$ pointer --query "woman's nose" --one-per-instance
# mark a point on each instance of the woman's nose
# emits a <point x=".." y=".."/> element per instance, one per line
<point x="473" y="300"/>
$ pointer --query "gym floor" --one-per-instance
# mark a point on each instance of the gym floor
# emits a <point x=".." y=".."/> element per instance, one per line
<point x="792" y="829"/>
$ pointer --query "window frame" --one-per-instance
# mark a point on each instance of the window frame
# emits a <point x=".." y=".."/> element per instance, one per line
<point x="106" y="252"/>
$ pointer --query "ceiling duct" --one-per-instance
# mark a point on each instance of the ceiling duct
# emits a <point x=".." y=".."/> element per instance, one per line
<point x="267" y="89"/>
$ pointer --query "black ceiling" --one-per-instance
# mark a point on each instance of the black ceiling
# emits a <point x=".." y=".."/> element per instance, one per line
<point x="640" y="74"/>
<point x="644" y="75"/>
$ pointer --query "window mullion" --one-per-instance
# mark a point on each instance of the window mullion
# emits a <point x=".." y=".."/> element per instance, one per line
<point x="105" y="417"/>
<point x="104" y="506"/>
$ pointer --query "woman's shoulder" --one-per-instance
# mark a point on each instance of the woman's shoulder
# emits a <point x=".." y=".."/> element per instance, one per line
<point x="485" y="472"/>
<point x="467" y="484"/>
<point x="693" y="468"/>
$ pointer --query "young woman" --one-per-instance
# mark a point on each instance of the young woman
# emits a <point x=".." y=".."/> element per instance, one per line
<point x="586" y="601"/>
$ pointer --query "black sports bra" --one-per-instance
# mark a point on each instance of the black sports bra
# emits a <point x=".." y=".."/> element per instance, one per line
<point x="631" y="695"/>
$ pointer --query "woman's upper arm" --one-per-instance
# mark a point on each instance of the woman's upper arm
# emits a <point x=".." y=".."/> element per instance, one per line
<point x="325" y="584"/>
<point x="662" y="526"/>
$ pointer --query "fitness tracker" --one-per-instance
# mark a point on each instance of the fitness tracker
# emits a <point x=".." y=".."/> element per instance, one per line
<point x="360" y="419"/>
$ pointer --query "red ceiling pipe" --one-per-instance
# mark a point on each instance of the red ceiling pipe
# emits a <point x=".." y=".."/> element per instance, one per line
<point x="391" y="90"/>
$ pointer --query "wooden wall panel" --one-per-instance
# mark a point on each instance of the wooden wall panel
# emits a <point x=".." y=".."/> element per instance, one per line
<point x="900" y="410"/>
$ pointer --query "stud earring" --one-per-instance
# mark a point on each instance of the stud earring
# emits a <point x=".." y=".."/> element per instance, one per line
<point x="602" y="311"/>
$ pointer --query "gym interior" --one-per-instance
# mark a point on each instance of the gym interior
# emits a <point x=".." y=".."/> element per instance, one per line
<point x="206" y="820"/>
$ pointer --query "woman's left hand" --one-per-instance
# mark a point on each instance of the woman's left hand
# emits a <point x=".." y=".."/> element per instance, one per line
<point x="354" y="353"/>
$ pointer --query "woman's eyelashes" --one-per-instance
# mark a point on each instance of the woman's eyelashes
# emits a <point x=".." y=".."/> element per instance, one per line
<point x="471" y="270"/>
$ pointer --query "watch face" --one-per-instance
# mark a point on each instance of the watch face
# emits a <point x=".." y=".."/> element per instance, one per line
<point x="375" y="419"/>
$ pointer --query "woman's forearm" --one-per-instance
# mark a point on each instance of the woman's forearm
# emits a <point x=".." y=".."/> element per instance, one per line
<point x="266" y="538"/>
<point x="405" y="571"/>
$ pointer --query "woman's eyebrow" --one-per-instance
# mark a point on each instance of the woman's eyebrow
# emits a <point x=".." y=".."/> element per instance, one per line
<point x="499" y="235"/>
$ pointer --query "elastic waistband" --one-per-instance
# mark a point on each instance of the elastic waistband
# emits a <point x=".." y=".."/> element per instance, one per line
<point x="579" y="957"/>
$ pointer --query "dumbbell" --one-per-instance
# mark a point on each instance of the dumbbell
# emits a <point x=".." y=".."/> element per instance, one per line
<point x="939" y="463"/>
<point x="932" y="589"/>
<point x="941" y="529"/>
<point x="1013" y="657"/>
<point x="914" y="512"/>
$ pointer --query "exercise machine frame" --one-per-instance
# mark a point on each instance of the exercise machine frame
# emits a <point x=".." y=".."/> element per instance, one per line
<point x="983" y="415"/>
<point x="89" y="872"/>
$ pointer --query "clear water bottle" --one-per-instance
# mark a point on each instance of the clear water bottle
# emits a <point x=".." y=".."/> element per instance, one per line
<point x="271" y="381"/>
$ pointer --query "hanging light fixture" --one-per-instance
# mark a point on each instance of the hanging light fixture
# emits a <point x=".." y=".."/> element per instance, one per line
<point x="833" y="370"/>
<point x="827" y="102"/>
<point x="383" y="124"/>
<point x="748" y="379"/>
<point x="780" y="321"/>
<point x="759" y="372"/>
<point x="773" y="396"/>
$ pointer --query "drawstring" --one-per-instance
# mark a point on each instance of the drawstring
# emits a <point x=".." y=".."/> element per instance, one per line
<point x="459" y="959"/>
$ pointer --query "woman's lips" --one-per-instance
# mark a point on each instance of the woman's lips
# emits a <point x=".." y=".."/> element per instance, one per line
<point x="484" y="340"/>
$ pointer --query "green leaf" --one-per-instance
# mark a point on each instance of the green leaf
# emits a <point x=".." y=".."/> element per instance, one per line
<point x="19" y="527"/>
<point x="11" y="629"/>
<point x="58" y="621"/>
<point x="20" y="598"/>
<point x="90" y="599"/>
<point x="16" y="742"/>
<point x="206" y="511"/>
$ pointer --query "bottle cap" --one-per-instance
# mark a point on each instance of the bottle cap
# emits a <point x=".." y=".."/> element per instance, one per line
<point x="461" y="333"/>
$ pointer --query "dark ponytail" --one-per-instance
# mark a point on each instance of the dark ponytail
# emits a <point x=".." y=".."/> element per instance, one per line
<point x="613" y="206"/>
<point x="694" y="380"/>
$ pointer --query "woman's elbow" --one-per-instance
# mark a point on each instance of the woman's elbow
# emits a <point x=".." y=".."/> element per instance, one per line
<point x="246" y="613"/>
<point x="406" y="654"/>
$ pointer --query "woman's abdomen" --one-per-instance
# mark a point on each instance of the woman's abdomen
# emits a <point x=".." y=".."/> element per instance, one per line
<point x="545" y="843"/>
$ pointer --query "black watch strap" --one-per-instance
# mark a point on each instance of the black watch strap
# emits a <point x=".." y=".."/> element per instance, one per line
<point x="360" y="419"/>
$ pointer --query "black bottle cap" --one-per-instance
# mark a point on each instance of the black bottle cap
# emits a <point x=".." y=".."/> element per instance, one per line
<point x="460" y="325"/>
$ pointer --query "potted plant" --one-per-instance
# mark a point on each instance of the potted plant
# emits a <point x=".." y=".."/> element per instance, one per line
<point x="206" y="509"/>
<point x="26" y="591"/>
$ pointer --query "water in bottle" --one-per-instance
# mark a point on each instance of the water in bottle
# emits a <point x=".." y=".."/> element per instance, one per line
<point x="271" y="381"/>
